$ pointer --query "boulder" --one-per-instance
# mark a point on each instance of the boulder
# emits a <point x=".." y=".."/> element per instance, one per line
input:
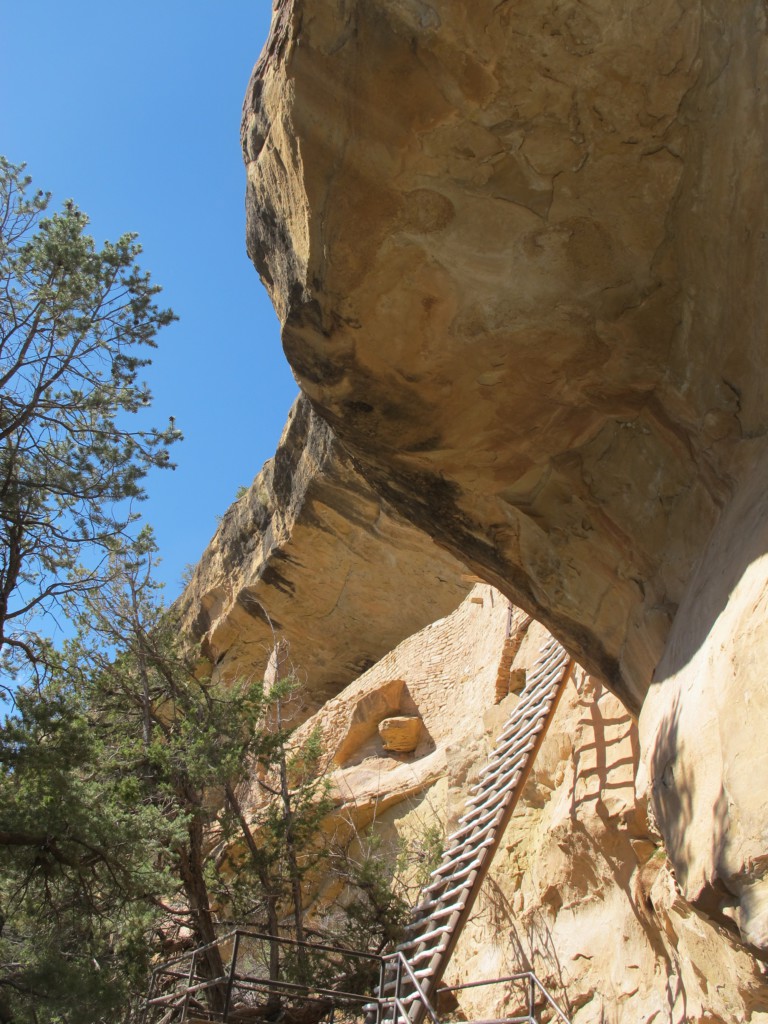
<point x="400" y="734"/>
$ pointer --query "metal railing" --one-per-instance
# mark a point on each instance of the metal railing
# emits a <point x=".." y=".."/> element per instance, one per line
<point x="535" y="992"/>
<point x="176" y="989"/>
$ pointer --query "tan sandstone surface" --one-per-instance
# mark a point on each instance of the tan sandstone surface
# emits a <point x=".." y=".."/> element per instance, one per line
<point x="580" y="890"/>
<point x="312" y="553"/>
<point x="583" y="894"/>
<point x="519" y="254"/>
<point x="704" y="725"/>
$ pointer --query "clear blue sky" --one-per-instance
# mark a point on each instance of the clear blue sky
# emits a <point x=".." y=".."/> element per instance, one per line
<point x="133" y="111"/>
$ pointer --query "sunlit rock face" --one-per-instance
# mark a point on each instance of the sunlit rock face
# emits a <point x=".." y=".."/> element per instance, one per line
<point x="519" y="254"/>
<point x="703" y="726"/>
<point x="311" y="556"/>
<point x="580" y="890"/>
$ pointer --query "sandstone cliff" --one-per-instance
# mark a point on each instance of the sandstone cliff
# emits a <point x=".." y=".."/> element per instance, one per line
<point x="581" y="891"/>
<point x="519" y="254"/>
<point x="311" y="554"/>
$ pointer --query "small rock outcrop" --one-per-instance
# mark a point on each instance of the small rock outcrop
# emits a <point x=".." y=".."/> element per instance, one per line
<point x="400" y="734"/>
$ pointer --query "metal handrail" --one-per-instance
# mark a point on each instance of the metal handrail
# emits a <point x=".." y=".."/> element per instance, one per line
<point x="403" y="972"/>
<point x="182" y="999"/>
<point x="528" y="976"/>
<point x="402" y="962"/>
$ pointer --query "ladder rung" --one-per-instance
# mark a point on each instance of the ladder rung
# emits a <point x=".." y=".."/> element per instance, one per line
<point x="470" y="850"/>
<point x="518" y="721"/>
<point x="432" y="951"/>
<point x="530" y="697"/>
<point x="440" y="930"/>
<point x="519" y="746"/>
<point x="459" y="874"/>
<point x="484" y="811"/>
<point x="442" y="912"/>
<point x="407" y="1000"/>
<point x="452" y="857"/>
<point x="547" y="659"/>
<point x="491" y="768"/>
<point x="470" y="828"/>
<point x="424" y="972"/>
<point x="501" y="782"/>
<point x="552" y="662"/>
<point x="452" y="892"/>
<point x="504" y="750"/>
<point x="437" y="900"/>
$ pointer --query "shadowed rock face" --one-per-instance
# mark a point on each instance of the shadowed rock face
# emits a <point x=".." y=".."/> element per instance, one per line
<point x="312" y="552"/>
<point x="518" y="250"/>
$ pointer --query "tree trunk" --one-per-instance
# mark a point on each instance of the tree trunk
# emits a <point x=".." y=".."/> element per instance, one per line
<point x="270" y="898"/>
<point x="210" y="963"/>
<point x="294" y="873"/>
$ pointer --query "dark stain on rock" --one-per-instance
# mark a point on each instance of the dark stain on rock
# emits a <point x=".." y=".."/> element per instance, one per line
<point x="272" y="577"/>
<point x="358" y="407"/>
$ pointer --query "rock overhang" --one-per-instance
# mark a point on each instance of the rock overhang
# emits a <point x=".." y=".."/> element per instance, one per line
<point x="488" y="235"/>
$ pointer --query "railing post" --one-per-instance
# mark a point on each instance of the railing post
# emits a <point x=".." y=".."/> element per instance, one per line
<point x="382" y="976"/>
<point x="190" y="979"/>
<point x="231" y="979"/>
<point x="531" y="998"/>
<point x="398" y="982"/>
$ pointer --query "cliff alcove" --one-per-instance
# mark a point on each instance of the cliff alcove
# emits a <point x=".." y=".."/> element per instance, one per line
<point x="519" y="256"/>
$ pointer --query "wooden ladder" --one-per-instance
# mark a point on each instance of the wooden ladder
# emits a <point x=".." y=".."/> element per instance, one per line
<point x="438" y="920"/>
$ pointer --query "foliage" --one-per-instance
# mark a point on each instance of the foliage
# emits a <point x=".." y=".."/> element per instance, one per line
<point x="119" y="781"/>
<point x="77" y="888"/>
<point x="75" y="323"/>
<point x="121" y="770"/>
<point x="122" y="820"/>
<point x="426" y="850"/>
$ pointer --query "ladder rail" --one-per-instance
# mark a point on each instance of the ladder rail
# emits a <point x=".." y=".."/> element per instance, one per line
<point x="469" y="851"/>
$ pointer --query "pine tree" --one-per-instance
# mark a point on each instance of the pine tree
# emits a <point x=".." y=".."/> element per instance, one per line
<point x="76" y="322"/>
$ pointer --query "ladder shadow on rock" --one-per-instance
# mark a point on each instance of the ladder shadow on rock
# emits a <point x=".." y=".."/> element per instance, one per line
<point x="438" y="920"/>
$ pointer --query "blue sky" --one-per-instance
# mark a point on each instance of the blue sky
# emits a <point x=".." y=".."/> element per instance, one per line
<point x="133" y="111"/>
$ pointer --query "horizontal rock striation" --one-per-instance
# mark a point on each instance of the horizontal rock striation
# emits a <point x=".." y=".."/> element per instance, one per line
<point x="310" y="554"/>
<point x="519" y="252"/>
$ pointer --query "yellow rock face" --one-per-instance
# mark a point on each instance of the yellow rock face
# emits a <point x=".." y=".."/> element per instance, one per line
<point x="312" y="555"/>
<point x="519" y="252"/>
<point x="581" y="889"/>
